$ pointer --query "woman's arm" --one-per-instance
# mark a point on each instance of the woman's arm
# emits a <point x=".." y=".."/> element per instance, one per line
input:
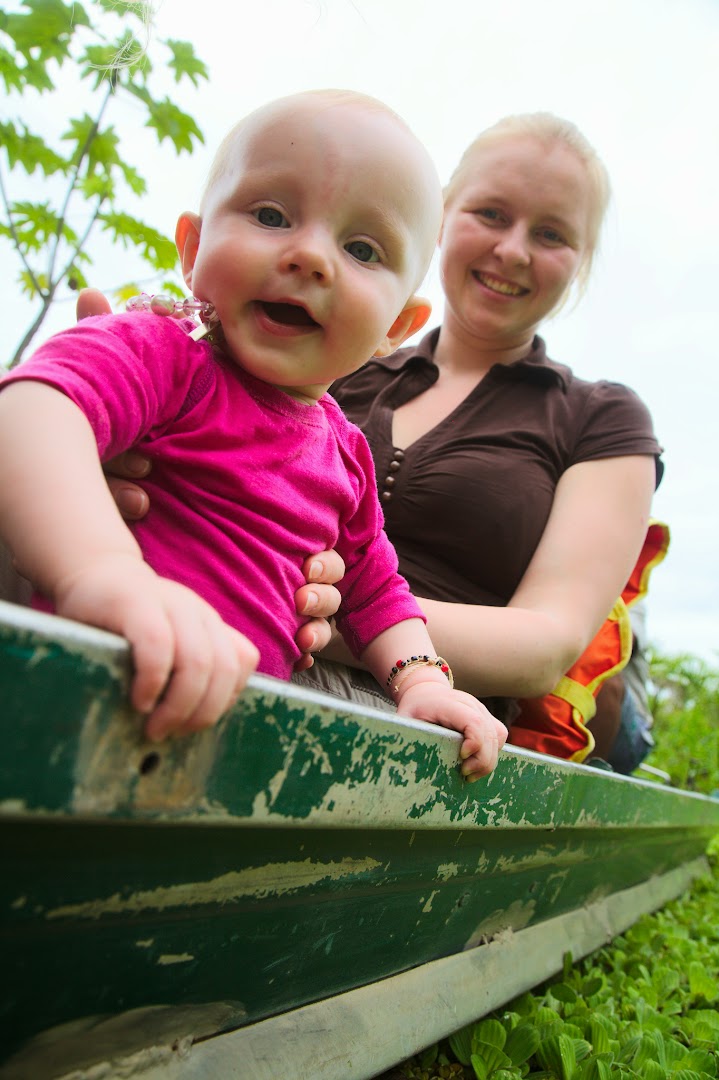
<point x="588" y="549"/>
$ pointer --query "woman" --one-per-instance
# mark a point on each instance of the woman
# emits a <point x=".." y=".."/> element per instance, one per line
<point x="517" y="495"/>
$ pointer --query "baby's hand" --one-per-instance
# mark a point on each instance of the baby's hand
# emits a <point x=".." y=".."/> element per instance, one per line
<point x="437" y="703"/>
<point x="189" y="664"/>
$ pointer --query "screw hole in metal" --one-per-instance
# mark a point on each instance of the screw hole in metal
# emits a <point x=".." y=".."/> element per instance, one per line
<point x="149" y="763"/>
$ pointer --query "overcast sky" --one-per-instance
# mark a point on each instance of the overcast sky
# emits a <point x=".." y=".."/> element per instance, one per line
<point x="640" y="77"/>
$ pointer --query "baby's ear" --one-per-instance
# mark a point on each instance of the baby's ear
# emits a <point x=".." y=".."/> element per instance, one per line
<point x="187" y="240"/>
<point x="412" y="318"/>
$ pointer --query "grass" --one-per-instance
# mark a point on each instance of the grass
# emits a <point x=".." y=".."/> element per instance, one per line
<point x="646" y="1007"/>
<point x="684" y="699"/>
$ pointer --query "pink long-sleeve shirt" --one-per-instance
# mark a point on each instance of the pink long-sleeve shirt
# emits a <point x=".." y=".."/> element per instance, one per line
<point x="246" y="481"/>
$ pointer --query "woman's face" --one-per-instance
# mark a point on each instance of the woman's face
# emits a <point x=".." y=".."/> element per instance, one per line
<point x="514" y="235"/>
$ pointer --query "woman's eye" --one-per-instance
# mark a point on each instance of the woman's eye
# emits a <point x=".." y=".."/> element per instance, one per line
<point x="362" y="251"/>
<point x="551" y="236"/>
<point x="268" y="215"/>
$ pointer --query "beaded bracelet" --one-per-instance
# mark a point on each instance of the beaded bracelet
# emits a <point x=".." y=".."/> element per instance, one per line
<point x="425" y="661"/>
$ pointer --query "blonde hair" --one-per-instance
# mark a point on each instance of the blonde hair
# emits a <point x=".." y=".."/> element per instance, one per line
<point x="549" y="128"/>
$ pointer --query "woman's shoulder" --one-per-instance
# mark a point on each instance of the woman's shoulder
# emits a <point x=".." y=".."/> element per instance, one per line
<point x="600" y="398"/>
<point x="601" y="418"/>
<point x="593" y="393"/>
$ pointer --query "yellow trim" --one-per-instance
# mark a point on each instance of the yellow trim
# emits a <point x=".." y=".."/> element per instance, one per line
<point x="580" y="755"/>
<point x="578" y="696"/>
<point x="643" y="586"/>
<point x="583" y="698"/>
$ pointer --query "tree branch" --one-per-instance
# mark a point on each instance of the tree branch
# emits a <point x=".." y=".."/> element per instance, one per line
<point x="73" y="181"/>
<point x="16" y="238"/>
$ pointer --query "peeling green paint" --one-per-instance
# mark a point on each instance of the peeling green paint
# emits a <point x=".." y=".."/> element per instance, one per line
<point x="299" y="849"/>
<point x="272" y="879"/>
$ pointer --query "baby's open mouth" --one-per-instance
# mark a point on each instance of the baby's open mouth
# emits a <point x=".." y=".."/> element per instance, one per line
<point x="288" y="314"/>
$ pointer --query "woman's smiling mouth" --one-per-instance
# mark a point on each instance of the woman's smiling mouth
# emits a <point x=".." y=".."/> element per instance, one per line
<point x="506" y="288"/>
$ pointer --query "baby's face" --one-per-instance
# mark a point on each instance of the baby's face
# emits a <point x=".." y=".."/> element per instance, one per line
<point x="313" y="238"/>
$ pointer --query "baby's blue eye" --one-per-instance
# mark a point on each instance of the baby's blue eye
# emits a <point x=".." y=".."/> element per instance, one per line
<point x="268" y="215"/>
<point x="489" y="214"/>
<point x="362" y="251"/>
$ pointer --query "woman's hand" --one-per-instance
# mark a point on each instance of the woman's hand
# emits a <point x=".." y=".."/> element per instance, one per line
<point x="320" y="600"/>
<point x="91" y="302"/>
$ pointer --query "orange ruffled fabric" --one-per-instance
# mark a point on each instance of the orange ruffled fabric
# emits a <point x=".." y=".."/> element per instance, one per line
<point x="556" y="724"/>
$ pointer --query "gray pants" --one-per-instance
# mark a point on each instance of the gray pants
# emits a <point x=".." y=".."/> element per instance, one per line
<point x="344" y="682"/>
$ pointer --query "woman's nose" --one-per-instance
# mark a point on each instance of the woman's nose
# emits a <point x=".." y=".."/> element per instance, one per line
<point x="309" y="255"/>
<point x="513" y="246"/>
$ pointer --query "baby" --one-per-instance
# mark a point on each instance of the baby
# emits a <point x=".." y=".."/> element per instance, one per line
<point x="318" y="223"/>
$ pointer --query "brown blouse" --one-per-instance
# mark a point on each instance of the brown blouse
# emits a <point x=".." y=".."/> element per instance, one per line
<point x="466" y="504"/>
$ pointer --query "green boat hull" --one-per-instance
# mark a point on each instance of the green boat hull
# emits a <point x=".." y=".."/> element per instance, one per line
<point x="300" y="850"/>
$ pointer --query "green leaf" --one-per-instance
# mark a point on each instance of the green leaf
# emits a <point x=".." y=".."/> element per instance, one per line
<point x="30" y="151"/>
<point x="461" y="1044"/>
<point x="674" y="1052"/>
<point x="171" y="287"/>
<point x="28" y="286"/>
<point x="522" y="1043"/>
<point x="36" y="38"/>
<point x="582" y="1048"/>
<point x="590" y="987"/>
<point x="492" y="1056"/>
<point x="557" y="1055"/>
<point x="702" y="1032"/>
<point x="479" y="1066"/>
<point x="119" y="62"/>
<point x="132" y="178"/>
<point x="99" y="147"/>
<point x="563" y="992"/>
<point x="44" y="34"/>
<point x="12" y="73"/>
<point x="700" y="1061"/>
<point x="651" y="1047"/>
<point x="170" y="122"/>
<point x="598" y="1036"/>
<point x="185" y="63"/>
<point x="665" y="980"/>
<point x="429" y="1056"/>
<point x="491" y="1032"/>
<point x="36" y="224"/>
<point x="545" y="1015"/>
<point x="157" y="249"/>
<point x="702" y="985"/>
<point x="594" y="1068"/>
<point x="524" y="1005"/>
<point x="138" y="8"/>
<point x="652" y="1070"/>
<point x="708" y="1017"/>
